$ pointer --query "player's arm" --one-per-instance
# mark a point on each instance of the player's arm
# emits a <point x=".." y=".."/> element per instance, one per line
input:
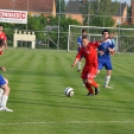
<point x="78" y="57"/>
<point x="95" y="44"/>
<point x="6" y="45"/>
<point x="111" y="47"/>
<point x="75" y="62"/>
<point x="3" y="68"/>
<point x="5" y="40"/>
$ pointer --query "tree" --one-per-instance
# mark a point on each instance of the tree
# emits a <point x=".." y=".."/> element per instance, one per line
<point x="63" y="26"/>
<point x="100" y="13"/>
<point x="60" y="7"/>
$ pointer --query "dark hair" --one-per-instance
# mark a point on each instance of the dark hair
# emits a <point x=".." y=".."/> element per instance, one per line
<point x="105" y="30"/>
<point x="84" y="30"/>
<point x="1" y="25"/>
<point x="2" y="42"/>
<point x="84" y="37"/>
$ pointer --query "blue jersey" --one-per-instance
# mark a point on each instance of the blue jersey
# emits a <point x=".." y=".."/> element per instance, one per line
<point x="104" y="60"/>
<point x="79" y="41"/>
<point x="104" y="47"/>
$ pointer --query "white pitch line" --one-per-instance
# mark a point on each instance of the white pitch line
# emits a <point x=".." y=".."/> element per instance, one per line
<point x="65" y="122"/>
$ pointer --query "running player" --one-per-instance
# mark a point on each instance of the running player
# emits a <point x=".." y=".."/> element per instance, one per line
<point x="88" y="51"/>
<point x="3" y="36"/>
<point x="104" y="59"/>
<point x="79" y="43"/>
<point x="4" y="85"/>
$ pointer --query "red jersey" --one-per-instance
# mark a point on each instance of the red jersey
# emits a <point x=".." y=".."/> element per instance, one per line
<point x="3" y="36"/>
<point x="90" y="55"/>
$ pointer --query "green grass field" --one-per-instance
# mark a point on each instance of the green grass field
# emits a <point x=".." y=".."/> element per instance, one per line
<point x="38" y="79"/>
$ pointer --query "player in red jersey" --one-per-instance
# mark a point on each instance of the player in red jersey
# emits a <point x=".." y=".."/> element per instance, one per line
<point x="3" y="37"/>
<point x="89" y="52"/>
<point x="4" y="86"/>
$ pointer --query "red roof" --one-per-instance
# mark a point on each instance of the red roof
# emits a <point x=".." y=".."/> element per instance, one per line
<point x="29" y="5"/>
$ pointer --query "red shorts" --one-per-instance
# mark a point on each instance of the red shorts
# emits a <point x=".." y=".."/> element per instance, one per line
<point x="89" y="74"/>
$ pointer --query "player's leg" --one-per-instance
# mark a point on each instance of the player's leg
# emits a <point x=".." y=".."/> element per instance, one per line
<point x="85" y="81"/>
<point x="91" y="81"/>
<point x="1" y="93"/>
<point x="108" y="74"/>
<point x="79" y="66"/>
<point x="94" y="84"/>
<point x="89" y="87"/>
<point x="4" y="98"/>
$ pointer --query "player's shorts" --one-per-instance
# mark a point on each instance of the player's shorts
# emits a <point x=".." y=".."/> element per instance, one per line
<point x="2" y="80"/>
<point x="104" y="63"/>
<point x="88" y="74"/>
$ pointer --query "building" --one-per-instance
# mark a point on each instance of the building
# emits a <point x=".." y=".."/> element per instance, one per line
<point x="73" y="10"/>
<point x="120" y="16"/>
<point x="34" y="7"/>
<point x="132" y="11"/>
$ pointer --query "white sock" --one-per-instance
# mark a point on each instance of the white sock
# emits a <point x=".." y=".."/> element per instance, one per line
<point x="79" y="65"/>
<point x="4" y="99"/>
<point x="107" y="79"/>
<point x="1" y="92"/>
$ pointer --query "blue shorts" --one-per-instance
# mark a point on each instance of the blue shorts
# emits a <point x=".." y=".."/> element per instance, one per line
<point x="2" y="80"/>
<point x="104" y="63"/>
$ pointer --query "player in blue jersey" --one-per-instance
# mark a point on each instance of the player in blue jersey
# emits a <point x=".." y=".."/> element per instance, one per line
<point x="104" y="59"/>
<point x="79" y="43"/>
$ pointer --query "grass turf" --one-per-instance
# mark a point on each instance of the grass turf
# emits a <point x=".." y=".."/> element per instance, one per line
<point x="38" y="79"/>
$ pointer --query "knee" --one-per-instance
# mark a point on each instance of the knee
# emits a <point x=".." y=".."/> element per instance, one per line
<point x="87" y="81"/>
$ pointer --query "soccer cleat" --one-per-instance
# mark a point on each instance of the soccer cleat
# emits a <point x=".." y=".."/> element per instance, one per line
<point x="108" y="87"/>
<point x="97" y="90"/>
<point x="90" y="94"/>
<point x="5" y="109"/>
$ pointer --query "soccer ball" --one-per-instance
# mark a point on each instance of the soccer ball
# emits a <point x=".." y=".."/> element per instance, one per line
<point x="69" y="91"/>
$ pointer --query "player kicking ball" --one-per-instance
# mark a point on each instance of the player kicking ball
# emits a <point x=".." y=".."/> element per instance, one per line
<point x="4" y="86"/>
<point x="88" y="51"/>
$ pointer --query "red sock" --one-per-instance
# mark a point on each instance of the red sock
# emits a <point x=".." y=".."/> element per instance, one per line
<point x="89" y="88"/>
<point x="94" y="84"/>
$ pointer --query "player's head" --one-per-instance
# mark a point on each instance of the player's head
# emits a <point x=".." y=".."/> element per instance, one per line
<point x="84" y="32"/>
<point x="85" y="40"/>
<point x="2" y="43"/>
<point x="105" y="33"/>
<point x="1" y="27"/>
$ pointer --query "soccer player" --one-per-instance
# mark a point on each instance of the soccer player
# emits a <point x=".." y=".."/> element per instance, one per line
<point x="88" y="51"/>
<point x="3" y="36"/>
<point x="79" y="43"/>
<point x="104" y="59"/>
<point x="4" y="85"/>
